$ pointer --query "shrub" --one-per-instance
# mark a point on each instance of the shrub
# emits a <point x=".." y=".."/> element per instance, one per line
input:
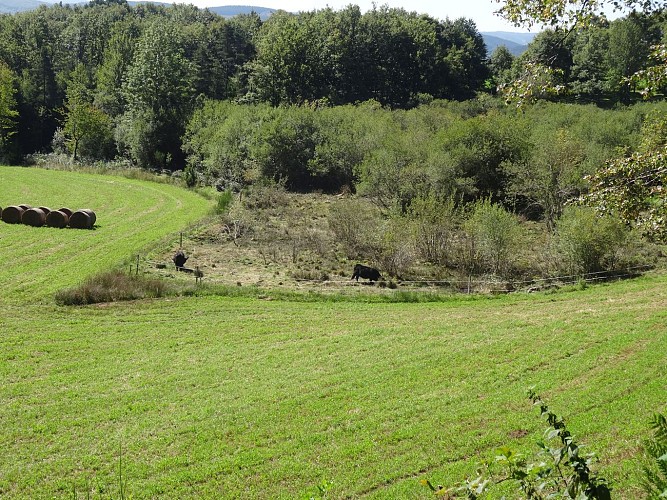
<point x="356" y="226"/>
<point x="495" y="234"/>
<point x="110" y="287"/>
<point x="397" y="250"/>
<point x="224" y="201"/>
<point x="434" y="223"/>
<point x="266" y="196"/>
<point x="238" y="222"/>
<point x="586" y="242"/>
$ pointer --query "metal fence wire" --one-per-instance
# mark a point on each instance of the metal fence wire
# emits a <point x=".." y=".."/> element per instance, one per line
<point x="495" y="285"/>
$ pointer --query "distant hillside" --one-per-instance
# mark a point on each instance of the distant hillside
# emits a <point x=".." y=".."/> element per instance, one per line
<point x="14" y="6"/>
<point x="494" y="41"/>
<point x="520" y="38"/>
<point x="234" y="10"/>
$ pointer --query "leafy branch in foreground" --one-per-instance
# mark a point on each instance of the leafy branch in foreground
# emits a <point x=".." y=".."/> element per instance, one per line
<point x="537" y="82"/>
<point x="655" y="477"/>
<point x="558" y="470"/>
<point x="568" y="14"/>
<point x="652" y="81"/>
<point x="634" y="186"/>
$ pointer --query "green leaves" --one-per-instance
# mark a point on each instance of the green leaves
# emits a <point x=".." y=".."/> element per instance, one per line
<point x="8" y="112"/>
<point x="553" y="471"/>
<point x="567" y="13"/>
<point x="390" y="55"/>
<point x="583" y="54"/>
<point x="655" y="448"/>
<point x="537" y="82"/>
<point x="160" y="77"/>
<point x="652" y="81"/>
<point x="87" y="128"/>
<point x="633" y="186"/>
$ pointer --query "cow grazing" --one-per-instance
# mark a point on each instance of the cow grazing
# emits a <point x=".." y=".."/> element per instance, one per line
<point x="369" y="273"/>
<point x="179" y="259"/>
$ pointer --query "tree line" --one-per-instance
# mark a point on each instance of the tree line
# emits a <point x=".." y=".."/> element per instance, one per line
<point x="532" y="161"/>
<point x="106" y="80"/>
<point x="590" y="64"/>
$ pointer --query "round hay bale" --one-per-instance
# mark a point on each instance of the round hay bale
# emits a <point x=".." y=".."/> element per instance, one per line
<point x="46" y="210"/>
<point x="25" y="207"/>
<point x="12" y="214"/>
<point x="91" y="213"/>
<point x="58" y="219"/>
<point x="80" y="220"/>
<point x="33" y="217"/>
<point x="66" y="211"/>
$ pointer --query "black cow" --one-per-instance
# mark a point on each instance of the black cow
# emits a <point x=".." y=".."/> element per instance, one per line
<point x="369" y="273"/>
<point x="179" y="259"/>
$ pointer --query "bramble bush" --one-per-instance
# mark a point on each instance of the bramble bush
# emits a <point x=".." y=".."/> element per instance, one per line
<point x="558" y="469"/>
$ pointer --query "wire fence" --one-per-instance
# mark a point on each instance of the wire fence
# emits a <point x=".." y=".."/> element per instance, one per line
<point x="472" y="285"/>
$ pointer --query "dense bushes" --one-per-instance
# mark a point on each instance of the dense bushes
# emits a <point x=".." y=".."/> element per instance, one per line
<point x="438" y="187"/>
<point x="532" y="162"/>
<point x="495" y="233"/>
<point x="588" y="243"/>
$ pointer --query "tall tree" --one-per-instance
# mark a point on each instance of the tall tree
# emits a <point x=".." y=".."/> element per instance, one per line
<point x="589" y="67"/>
<point x="39" y="92"/>
<point x="566" y="16"/>
<point x="465" y="59"/>
<point x="500" y="64"/>
<point x="8" y="112"/>
<point x="159" y="85"/>
<point x="86" y="127"/>
<point x="629" y="46"/>
<point x="118" y="57"/>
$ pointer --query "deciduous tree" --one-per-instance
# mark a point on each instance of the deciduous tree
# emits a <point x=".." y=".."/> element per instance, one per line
<point x="8" y="112"/>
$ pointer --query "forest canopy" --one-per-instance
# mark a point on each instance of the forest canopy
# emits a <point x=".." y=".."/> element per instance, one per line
<point x="106" y="80"/>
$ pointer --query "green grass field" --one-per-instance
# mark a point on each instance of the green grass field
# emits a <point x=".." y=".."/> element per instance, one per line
<point x="131" y="215"/>
<point x="218" y="397"/>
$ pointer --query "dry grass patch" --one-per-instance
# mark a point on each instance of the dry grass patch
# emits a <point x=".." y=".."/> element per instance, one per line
<point x="113" y="286"/>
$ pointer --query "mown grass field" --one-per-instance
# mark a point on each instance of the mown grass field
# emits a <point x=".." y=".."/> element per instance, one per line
<point x="131" y="215"/>
<point x="219" y="397"/>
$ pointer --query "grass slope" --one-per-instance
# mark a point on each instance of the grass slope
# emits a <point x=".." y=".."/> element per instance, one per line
<point x="212" y="397"/>
<point x="131" y="215"/>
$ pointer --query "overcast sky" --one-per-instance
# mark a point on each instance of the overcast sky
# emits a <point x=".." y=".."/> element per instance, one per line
<point x="480" y="11"/>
